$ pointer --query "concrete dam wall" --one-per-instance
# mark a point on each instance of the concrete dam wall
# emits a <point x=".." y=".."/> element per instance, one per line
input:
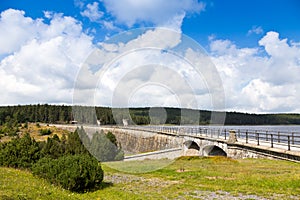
<point x="134" y="141"/>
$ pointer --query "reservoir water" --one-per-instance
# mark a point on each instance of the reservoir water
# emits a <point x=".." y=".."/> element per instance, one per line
<point x="269" y="128"/>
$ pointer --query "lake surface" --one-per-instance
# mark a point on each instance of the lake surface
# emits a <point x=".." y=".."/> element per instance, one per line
<point x="293" y="131"/>
<point x="263" y="128"/>
<point x="269" y="128"/>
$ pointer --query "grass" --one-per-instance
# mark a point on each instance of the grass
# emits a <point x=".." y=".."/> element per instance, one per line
<point x="186" y="178"/>
<point x="137" y="167"/>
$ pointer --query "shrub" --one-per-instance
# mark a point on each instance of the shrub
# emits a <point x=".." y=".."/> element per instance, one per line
<point x="19" y="152"/>
<point x="104" y="147"/>
<point x="73" y="172"/>
<point x="53" y="148"/>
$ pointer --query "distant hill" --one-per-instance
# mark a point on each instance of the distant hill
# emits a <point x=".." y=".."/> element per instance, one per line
<point x="65" y="114"/>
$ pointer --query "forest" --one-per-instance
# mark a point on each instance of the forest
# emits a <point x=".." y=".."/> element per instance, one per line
<point x="63" y="114"/>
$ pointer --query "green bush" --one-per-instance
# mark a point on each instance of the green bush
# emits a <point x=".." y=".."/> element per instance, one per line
<point x="19" y="152"/>
<point x="73" y="172"/>
<point x="104" y="147"/>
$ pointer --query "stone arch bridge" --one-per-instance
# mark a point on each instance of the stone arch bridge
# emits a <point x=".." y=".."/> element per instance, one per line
<point x="143" y="142"/>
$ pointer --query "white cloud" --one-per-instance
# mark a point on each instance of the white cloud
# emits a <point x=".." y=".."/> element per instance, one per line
<point x="256" y="30"/>
<point x="40" y="63"/>
<point x="159" y="38"/>
<point x="16" y="30"/>
<point x="284" y="61"/>
<point x="92" y="12"/>
<point x="141" y="70"/>
<point x="254" y="82"/>
<point x="279" y="49"/>
<point x="156" y="12"/>
<point x="45" y="59"/>
<point x="48" y="14"/>
<point x="271" y="98"/>
<point x="79" y="3"/>
<point x="109" y="25"/>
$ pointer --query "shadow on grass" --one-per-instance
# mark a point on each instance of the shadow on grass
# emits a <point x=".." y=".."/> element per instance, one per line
<point x="101" y="186"/>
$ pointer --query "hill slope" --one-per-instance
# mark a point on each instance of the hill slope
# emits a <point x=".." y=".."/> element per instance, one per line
<point x="186" y="178"/>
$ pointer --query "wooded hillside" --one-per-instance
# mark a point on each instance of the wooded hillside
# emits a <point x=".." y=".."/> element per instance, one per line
<point x="65" y="114"/>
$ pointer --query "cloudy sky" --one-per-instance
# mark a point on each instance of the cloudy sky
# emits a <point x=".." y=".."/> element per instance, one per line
<point x="224" y="55"/>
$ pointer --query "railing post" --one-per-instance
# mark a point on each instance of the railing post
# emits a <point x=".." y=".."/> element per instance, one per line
<point x="272" y="141"/>
<point x="278" y="137"/>
<point x="232" y="137"/>
<point x="247" y="137"/>
<point x="257" y="137"/>
<point x="267" y="136"/>
<point x="239" y="133"/>
<point x="289" y="144"/>
<point x="225" y="134"/>
<point x="293" y="141"/>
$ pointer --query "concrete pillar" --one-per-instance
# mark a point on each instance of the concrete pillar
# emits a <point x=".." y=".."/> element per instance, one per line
<point x="232" y="137"/>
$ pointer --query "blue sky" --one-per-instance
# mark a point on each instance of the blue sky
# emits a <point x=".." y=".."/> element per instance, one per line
<point x="233" y="19"/>
<point x="230" y="19"/>
<point x="254" y="45"/>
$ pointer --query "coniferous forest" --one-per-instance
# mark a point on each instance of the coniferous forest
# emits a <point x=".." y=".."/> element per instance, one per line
<point x="63" y="114"/>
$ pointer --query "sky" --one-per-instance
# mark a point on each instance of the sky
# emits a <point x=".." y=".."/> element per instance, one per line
<point x="217" y="55"/>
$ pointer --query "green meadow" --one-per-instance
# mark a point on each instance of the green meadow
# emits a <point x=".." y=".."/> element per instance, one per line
<point x="185" y="178"/>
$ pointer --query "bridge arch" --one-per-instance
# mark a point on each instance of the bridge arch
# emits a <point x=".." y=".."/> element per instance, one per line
<point x="213" y="150"/>
<point x="191" y="148"/>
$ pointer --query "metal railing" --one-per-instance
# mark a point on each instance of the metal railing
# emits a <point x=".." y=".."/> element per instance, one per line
<point x="287" y="140"/>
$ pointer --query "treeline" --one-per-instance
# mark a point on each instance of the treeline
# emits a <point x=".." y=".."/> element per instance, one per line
<point x="234" y="118"/>
<point x="46" y="113"/>
<point x="141" y="116"/>
<point x="65" y="161"/>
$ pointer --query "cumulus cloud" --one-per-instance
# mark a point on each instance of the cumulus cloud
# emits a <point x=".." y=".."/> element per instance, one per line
<point x="40" y="66"/>
<point x="147" y="70"/>
<point x="39" y="63"/>
<point x="16" y="30"/>
<point x="255" y="82"/>
<point x="155" y="12"/>
<point x="92" y="12"/>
